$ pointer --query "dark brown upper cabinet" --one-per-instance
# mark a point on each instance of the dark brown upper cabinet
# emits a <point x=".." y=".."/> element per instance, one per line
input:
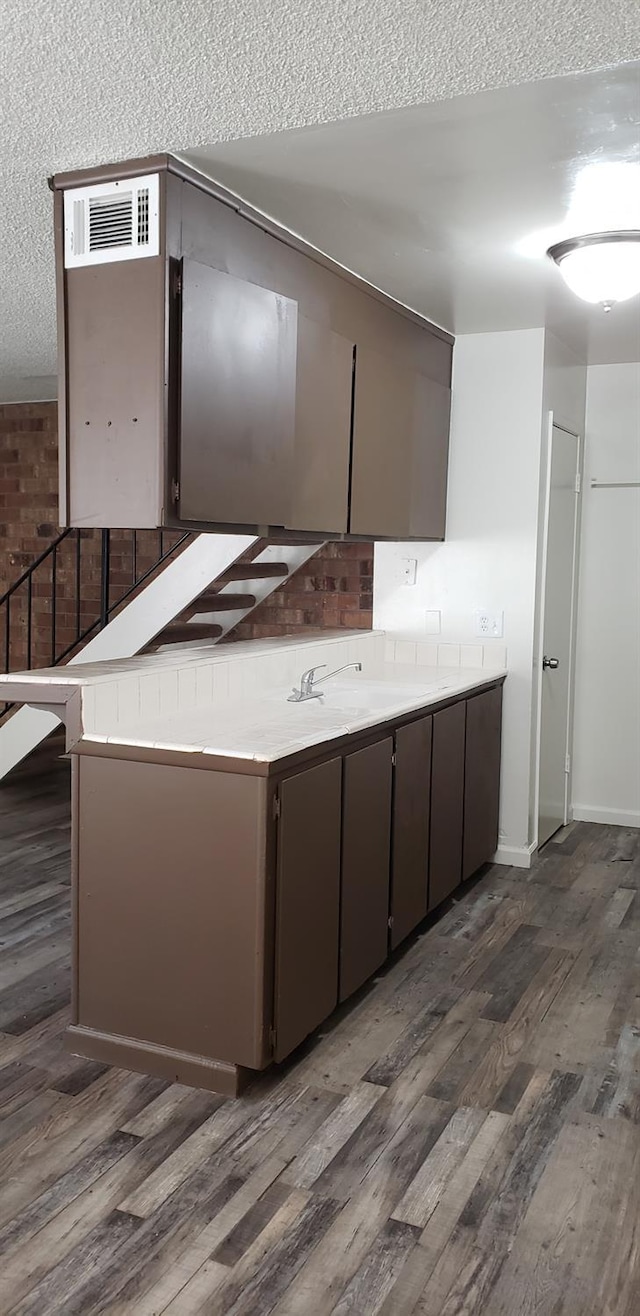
<point x="322" y="444"/>
<point x="237" y="399"/>
<point x="218" y="372"/>
<point x="400" y="450"/>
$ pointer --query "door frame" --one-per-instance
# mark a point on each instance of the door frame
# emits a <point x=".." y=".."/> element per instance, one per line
<point x="552" y="424"/>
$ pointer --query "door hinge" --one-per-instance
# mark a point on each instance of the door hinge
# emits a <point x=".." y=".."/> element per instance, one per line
<point x="177" y="283"/>
<point x="276" y="806"/>
<point x="175" y="491"/>
<point x="567" y="764"/>
<point x="578" y="483"/>
<point x="394" y="759"/>
<point x="390" y="921"/>
<point x="272" y="1038"/>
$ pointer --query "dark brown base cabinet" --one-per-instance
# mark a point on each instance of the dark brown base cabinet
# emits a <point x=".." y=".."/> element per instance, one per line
<point x="220" y="916"/>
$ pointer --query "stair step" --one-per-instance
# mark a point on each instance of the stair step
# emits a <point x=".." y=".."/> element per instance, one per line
<point x="213" y="602"/>
<point x="179" y="632"/>
<point x="255" y="571"/>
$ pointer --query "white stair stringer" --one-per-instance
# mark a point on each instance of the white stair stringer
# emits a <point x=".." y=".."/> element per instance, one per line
<point x="180" y="582"/>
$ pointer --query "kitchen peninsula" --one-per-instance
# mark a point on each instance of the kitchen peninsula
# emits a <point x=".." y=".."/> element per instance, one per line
<point x="243" y="862"/>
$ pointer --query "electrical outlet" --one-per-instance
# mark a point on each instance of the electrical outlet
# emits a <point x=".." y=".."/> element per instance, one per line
<point x="489" y="624"/>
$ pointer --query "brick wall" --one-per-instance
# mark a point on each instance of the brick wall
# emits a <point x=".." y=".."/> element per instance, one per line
<point x="332" y="590"/>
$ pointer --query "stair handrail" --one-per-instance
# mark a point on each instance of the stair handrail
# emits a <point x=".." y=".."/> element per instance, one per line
<point x="33" y="566"/>
<point x="107" y="607"/>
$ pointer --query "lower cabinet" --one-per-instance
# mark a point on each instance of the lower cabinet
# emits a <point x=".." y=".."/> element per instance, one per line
<point x="368" y="843"/>
<point x="366" y="839"/>
<point x="482" y="779"/>
<point x="411" y="813"/>
<point x="307" y="903"/>
<point x="447" y="802"/>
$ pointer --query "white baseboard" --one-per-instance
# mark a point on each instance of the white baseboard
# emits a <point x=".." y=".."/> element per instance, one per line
<point x="515" y="856"/>
<point x="614" y="817"/>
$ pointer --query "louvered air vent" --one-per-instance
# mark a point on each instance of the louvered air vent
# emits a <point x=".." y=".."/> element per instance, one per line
<point x="111" y="221"/>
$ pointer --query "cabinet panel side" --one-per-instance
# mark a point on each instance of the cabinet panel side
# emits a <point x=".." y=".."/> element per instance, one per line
<point x="171" y="907"/>
<point x="115" y="393"/>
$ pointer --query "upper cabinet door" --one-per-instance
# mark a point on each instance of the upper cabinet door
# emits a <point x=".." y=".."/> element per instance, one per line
<point x="237" y="400"/>
<point x="400" y="450"/>
<point x="324" y="389"/>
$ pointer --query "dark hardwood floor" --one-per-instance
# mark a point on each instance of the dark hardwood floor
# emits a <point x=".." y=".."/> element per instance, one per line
<point x="465" y="1138"/>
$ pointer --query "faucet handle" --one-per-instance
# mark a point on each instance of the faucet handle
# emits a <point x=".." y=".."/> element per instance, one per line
<point x="312" y="671"/>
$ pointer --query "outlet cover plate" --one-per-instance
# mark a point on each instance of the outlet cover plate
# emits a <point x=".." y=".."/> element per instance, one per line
<point x="489" y="625"/>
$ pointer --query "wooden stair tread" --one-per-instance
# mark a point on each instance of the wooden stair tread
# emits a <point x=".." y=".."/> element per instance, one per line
<point x="254" y="571"/>
<point x="189" y="630"/>
<point x="213" y="602"/>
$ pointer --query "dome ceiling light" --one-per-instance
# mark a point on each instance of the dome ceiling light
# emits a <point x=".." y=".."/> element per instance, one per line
<point x="601" y="267"/>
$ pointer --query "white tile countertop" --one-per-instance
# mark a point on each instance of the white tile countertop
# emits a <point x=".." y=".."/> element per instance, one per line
<point x="232" y="700"/>
<point x="269" y="727"/>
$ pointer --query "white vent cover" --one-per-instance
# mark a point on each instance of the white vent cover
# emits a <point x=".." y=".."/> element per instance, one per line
<point x="112" y="221"/>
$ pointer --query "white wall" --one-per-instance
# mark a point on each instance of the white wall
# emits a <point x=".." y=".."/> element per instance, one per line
<point x="489" y="557"/>
<point x="606" y="782"/>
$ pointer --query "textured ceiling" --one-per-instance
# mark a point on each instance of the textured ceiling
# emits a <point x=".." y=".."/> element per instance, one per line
<point x="90" y="83"/>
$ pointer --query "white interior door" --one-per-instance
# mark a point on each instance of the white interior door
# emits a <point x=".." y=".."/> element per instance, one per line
<point x="557" y="632"/>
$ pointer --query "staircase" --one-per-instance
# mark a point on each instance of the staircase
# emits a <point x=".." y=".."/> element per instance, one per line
<point x="193" y="592"/>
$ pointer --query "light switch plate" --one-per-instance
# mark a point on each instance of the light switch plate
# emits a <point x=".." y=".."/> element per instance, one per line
<point x="432" y="621"/>
<point x="490" y="625"/>
<point x="409" y="567"/>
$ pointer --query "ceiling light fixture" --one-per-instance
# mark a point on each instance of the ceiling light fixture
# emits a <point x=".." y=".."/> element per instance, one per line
<point x="601" y="267"/>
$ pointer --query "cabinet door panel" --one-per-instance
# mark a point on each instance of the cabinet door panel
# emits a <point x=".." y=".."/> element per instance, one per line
<point x="400" y="450"/>
<point x="322" y="454"/>
<point x="307" y="903"/>
<point x="366" y="836"/>
<point x="411" y="802"/>
<point x="447" y="802"/>
<point x="482" y="779"/>
<point x="237" y="399"/>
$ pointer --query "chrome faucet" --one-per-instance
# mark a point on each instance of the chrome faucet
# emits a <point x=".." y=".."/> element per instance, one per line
<point x="308" y="682"/>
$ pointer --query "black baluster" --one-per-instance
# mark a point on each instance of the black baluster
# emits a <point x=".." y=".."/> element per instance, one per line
<point x="29" y="618"/>
<point x="78" y="583"/>
<point x="54" y="585"/>
<point x="104" y="583"/>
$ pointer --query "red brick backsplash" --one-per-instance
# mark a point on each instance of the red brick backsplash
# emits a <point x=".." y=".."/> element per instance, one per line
<point x="334" y="589"/>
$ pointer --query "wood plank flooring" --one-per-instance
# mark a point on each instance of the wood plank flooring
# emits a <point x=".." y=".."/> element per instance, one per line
<point x="463" y="1138"/>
